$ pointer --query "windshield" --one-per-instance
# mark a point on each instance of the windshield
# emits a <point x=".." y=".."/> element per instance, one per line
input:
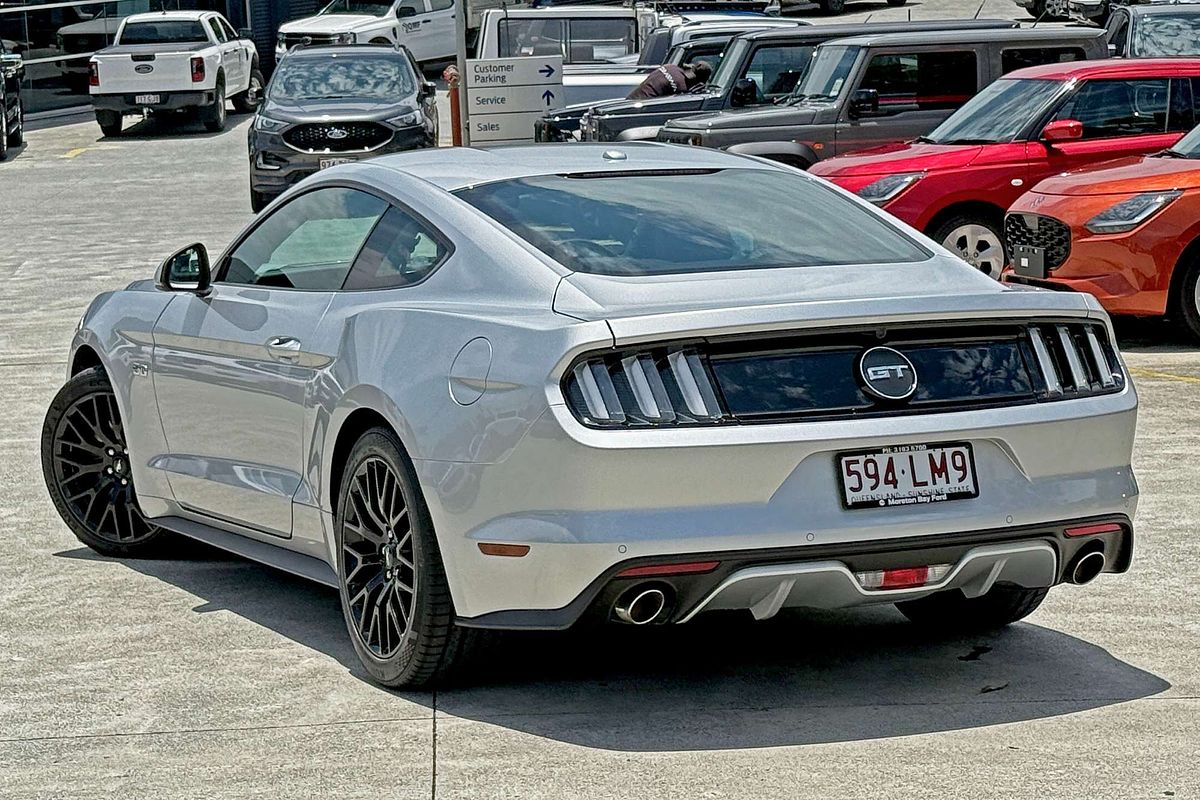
<point x="372" y="8"/>
<point x="1167" y="35"/>
<point x="997" y="114"/>
<point x="167" y="31"/>
<point x="1188" y="146"/>
<point x="661" y="223"/>
<point x="725" y="73"/>
<point x="827" y="76"/>
<point x="382" y="77"/>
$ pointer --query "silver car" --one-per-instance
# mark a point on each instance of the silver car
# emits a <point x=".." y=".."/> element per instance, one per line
<point x="523" y="387"/>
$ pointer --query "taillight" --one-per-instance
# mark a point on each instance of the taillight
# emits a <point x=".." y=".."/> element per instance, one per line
<point x="637" y="389"/>
<point x="93" y="74"/>
<point x="1075" y="360"/>
<point x="197" y="69"/>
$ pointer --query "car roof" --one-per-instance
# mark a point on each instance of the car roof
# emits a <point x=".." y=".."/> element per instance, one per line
<point x="326" y="50"/>
<point x="843" y="30"/>
<point x="458" y="167"/>
<point x="1040" y="35"/>
<point x="190" y="16"/>
<point x="1112" y="68"/>
<point x="564" y="12"/>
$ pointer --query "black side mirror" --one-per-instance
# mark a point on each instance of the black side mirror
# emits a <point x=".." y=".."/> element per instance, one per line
<point x="427" y="90"/>
<point x="405" y="11"/>
<point x="864" y="103"/>
<point x="245" y="33"/>
<point x="743" y="93"/>
<point x="186" y="271"/>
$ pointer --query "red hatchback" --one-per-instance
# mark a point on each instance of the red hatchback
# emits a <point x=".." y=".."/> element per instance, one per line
<point x="956" y="183"/>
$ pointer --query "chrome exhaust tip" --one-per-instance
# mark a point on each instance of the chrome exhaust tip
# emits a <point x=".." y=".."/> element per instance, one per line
<point x="640" y="605"/>
<point x="1087" y="567"/>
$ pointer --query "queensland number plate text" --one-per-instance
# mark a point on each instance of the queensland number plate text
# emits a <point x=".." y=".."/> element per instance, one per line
<point x="907" y="475"/>
<point x="147" y="99"/>
<point x="333" y="162"/>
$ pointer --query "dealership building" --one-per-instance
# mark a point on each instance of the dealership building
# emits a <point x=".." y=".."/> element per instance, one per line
<point x="56" y="39"/>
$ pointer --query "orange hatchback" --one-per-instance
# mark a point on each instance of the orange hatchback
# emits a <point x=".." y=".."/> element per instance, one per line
<point x="1127" y="232"/>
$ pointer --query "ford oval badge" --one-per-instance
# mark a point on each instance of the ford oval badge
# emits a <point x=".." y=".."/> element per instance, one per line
<point x="142" y="69"/>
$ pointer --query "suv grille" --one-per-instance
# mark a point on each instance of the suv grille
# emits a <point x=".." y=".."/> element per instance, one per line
<point x="338" y="137"/>
<point x="1038" y="231"/>
<point x="819" y="376"/>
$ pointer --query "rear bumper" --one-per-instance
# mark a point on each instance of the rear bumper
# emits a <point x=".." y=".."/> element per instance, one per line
<point x="168" y="101"/>
<point x="764" y="582"/>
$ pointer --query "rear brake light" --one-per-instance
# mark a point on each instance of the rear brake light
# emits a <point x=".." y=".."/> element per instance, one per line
<point x="905" y="578"/>
<point x="197" y="69"/>
<point x="93" y="74"/>
<point x="1075" y="360"/>
<point x="653" y="570"/>
<point x="1092" y="530"/>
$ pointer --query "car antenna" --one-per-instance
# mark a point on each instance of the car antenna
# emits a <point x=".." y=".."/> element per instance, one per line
<point x="868" y="19"/>
<point x="1045" y="11"/>
<point x="979" y="10"/>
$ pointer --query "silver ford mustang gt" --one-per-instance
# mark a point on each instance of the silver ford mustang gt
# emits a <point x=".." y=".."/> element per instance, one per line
<point x="529" y="386"/>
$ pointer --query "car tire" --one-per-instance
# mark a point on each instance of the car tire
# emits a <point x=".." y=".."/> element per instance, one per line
<point x="86" y="469"/>
<point x="109" y="122"/>
<point x="258" y="201"/>
<point x="213" y="115"/>
<point x="831" y="7"/>
<point x="1187" y="303"/>
<point x="16" y="136"/>
<point x="392" y="584"/>
<point x="3" y="131"/>
<point x="247" y="102"/>
<point x="954" y="611"/>
<point x="976" y="239"/>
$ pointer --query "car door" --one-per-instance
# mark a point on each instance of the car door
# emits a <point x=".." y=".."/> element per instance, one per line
<point x="916" y="88"/>
<point x="230" y="56"/>
<point x="437" y="29"/>
<point x="414" y="19"/>
<point x="1121" y="117"/>
<point x="232" y="369"/>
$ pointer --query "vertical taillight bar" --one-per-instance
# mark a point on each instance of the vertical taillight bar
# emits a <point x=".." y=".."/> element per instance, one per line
<point x="1078" y="376"/>
<point x="1105" y="369"/>
<point x="1045" y="362"/>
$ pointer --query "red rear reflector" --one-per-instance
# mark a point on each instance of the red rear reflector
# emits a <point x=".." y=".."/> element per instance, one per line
<point x="904" y="578"/>
<point x="93" y="74"/>
<point x="197" y="69"/>
<point x="512" y="550"/>
<point x="650" y="570"/>
<point x="1091" y="530"/>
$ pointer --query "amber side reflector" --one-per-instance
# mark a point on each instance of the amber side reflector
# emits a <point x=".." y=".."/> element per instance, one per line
<point x="1092" y="530"/>
<point x="651" y="570"/>
<point x="513" y="550"/>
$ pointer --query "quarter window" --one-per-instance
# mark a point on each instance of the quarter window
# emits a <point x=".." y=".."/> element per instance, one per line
<point x="400" y="251"/>
<point x="308" y="243"/>
<point x="1020" y="57"/>
<point x="922" y="81"/>
<point x="1119" y="107"/>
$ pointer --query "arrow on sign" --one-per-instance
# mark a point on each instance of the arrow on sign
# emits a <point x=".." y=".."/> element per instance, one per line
<point x="546" y="70"/>
<point x="547" y="96"/>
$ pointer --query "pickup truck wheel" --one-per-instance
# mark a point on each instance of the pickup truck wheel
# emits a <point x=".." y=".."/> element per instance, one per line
<point x="976" y="240"/>
<point x="86" y="467"/>
<point x="109" y="122"/>
<point x="953" y="611"/>
<point x="213" y="116"/>
<point x="832" y="6"/>
<point x="16" y="135"/>
<point x="247" y="102"/>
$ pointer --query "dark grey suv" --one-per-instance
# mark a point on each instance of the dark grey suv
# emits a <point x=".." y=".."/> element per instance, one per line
<point x="331" y="105"/>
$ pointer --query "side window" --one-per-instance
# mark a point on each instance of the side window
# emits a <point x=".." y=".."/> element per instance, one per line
<point x="1018" y="57"/>
<point x="1118" y="33"/>
<point x="595" y="41"/>
<point x="1182" y="114"/>
<point x="229" y="31"/>
<point x="1119" y="108"/>
<point x="217" y="30"/>
<point x="440" y="5"/>
<point x="417" y="6"/>
<point x="922" y="81"/>
<point x="401" y="251"/>
<point x="776" y="70"/>
<point x="532" y="37"/>
<point x="309" y="243"/>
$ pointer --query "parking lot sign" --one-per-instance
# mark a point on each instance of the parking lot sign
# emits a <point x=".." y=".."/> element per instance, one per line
<point x="506" y="95"/>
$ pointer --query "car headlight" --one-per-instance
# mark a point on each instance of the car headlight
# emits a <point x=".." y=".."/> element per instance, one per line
<point x="345" y="38"/>
<point x="1128" y="214"/>
<point x="405" y="119"/>
<point x="889" y="187"/>
<point x="264" y="123"/>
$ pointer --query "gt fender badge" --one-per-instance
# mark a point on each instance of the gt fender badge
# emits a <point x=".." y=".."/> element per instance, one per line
<point x="887" y="374"/>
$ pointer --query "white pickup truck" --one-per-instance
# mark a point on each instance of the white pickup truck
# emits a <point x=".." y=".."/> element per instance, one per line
<point x="172" y="61"/>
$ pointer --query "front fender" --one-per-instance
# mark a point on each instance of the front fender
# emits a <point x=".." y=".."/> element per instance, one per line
<point x="645" y="133"/>
<point x="793" y="154"/>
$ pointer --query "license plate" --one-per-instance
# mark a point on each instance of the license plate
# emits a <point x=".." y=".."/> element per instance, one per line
<point x="147" y="99"/>
<point x="907" y="475"/>
<point x="333" y="162"/>
<point x="1029" y="261"/>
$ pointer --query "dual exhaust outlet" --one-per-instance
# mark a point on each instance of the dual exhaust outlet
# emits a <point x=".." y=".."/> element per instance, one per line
<point x="643" y="604"/>
<point x="1086" y="567"/>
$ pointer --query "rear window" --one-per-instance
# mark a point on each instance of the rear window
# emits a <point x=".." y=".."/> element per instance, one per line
<point x="167" y="31"/>
<point x="694" y="221"/>
<point x="578" y="41"/>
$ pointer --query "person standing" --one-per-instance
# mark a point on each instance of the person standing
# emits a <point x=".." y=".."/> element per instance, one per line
<point x="669" y="79"/>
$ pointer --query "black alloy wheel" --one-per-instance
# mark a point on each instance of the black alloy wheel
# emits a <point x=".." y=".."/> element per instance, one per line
<point x="86" y="465"/>
<point x="378" y="563"/>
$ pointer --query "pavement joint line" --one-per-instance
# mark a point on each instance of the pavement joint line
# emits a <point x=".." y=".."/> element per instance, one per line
<point x="433" y="752"/>
<point x="1146" y="372"/>
<point x="233" y="729"/>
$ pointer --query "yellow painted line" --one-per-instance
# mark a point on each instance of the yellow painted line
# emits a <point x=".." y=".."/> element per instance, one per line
<point x="73" y="152"/>
<point x="1143" y="372"/>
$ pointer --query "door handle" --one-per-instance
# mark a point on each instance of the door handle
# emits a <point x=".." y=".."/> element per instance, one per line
<point x="284" y="348"/>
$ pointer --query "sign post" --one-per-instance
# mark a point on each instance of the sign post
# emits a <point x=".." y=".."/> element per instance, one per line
<point x="461" y="11"/>
<point x="505" y="96"/>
